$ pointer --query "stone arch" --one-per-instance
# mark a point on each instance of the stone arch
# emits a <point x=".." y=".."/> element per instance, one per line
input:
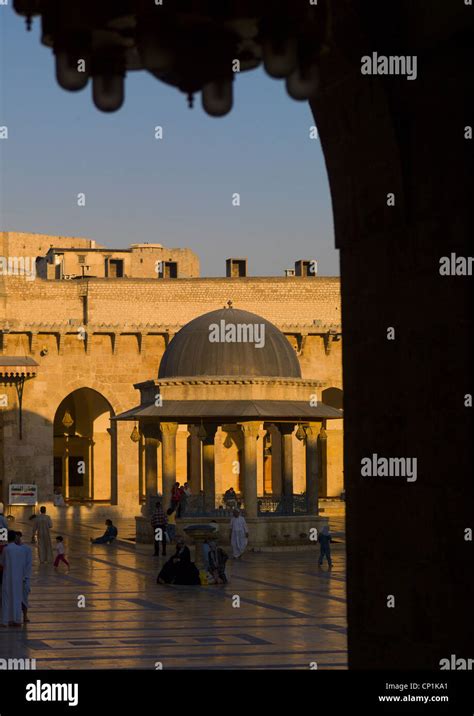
<point x="83" y="437"/>
<point x="57" y="395"/>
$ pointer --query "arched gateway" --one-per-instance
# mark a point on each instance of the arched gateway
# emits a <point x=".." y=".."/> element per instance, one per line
<point x="234" y="380"/>
<point x="82" y="440"/>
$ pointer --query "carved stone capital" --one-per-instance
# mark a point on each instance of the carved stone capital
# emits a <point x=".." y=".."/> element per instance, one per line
<point x="251" y="428"/>
<point x="169" y="429"/>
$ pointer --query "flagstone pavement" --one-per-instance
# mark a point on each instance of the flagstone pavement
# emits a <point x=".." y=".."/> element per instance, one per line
<point x="292" y="615"/>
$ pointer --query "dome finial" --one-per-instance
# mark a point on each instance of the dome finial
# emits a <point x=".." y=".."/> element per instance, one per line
<point x="229" y="303"/>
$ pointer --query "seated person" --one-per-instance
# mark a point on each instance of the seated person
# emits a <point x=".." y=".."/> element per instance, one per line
<point x="179" y="569"/>
<point x="58" y="499"/>
<point x="230" y="498"/>
<point x="109" y="535"/>
<point x="217" y="559"/>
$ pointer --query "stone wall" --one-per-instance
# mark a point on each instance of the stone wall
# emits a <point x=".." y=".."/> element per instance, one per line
<point x="127" y="324"/>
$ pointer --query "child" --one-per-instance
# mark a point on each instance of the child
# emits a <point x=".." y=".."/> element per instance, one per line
<point x="324" y="540"/>
<point x="60" y="557"/>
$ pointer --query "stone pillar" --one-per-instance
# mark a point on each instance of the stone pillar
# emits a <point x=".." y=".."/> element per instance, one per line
<point x="250" y="430"/>
<point x="323" y="461"/>
<point x="390" y="259"/>
<point x="90" y="469"/>
<point x="286" y="431"/>
<point x="195" y="460"/>
<point x="277" y="470"/>
<point x="66" y="469"/>
<point x="168" y="456"/>
<point x="208" y="468"/>
<point x="151" y="461"/>
<point x="312" y="431"/>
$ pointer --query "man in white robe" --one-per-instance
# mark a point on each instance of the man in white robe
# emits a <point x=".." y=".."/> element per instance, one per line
<point x="239" y="534"/>
<point x="14" y="561"/>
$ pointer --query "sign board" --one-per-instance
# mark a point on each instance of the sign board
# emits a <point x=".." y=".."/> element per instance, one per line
<point x="19" y="494"/>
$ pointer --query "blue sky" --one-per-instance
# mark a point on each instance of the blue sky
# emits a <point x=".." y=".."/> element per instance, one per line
<point x="176" y="191"/>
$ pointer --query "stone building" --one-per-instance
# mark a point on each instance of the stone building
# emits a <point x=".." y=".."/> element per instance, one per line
<point x="73" y="348"/>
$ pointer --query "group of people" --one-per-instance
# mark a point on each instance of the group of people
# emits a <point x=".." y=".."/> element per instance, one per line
<point x="180" y="495"/>
<point x="16" y="557"/>
<point x="179" y="569"/>
<point x="42" y="526"/>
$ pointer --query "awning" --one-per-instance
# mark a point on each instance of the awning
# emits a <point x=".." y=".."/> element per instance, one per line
<point x="231" y="410"/>
<point x="12" y="367"/>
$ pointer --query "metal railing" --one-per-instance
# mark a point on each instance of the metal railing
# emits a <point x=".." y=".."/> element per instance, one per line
<point x="268" y="506"/>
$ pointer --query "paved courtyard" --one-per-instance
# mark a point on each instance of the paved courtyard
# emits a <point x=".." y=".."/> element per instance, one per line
<point x="291" y="613"/>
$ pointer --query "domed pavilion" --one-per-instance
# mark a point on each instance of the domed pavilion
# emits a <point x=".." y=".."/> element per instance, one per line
<point x="231" y="380"/>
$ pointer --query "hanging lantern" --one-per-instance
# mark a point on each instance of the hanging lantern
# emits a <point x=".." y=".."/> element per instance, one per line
<point x="135" y="435"/>
<point x="201" y="433"/>
<point x="68" y="75"/>
<point x="67" y="420"/>
<point x="217" y="97"/>
<point x="300" y="433"/>
<point x="228" y="441"/>
<point x="303" y="83"/>
<point x="108" y="91"/>
<point x="280" y="55"/>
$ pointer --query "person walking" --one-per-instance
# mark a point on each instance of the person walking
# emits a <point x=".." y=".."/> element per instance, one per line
<point x="239" y="534"/>
<point x="43" y="525"/>
<point x="217" y="559"/>
<point x="60" y="553"/>
<point x="324" y="540"/>
<point x="159" y="522"/>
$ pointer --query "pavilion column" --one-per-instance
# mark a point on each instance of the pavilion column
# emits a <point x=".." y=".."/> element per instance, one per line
<point x="208" y="468"/>
<point x="168" y="456"/>
<point x="250" y="430"/>
<point x="277" y="470"/>
<point x="286" y="431"/>
<point x="151" y="460"/>
<point x="65" y="485"/>
<point x="312" y="431"/>
<point x="323" y="460"/>
<point x="195" y="461"/>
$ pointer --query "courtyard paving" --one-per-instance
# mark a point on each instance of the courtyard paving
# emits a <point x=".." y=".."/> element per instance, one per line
<point x="291" y="613"/>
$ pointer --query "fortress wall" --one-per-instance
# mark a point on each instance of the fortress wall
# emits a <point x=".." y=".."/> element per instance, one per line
<point x="173" y="301"/>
